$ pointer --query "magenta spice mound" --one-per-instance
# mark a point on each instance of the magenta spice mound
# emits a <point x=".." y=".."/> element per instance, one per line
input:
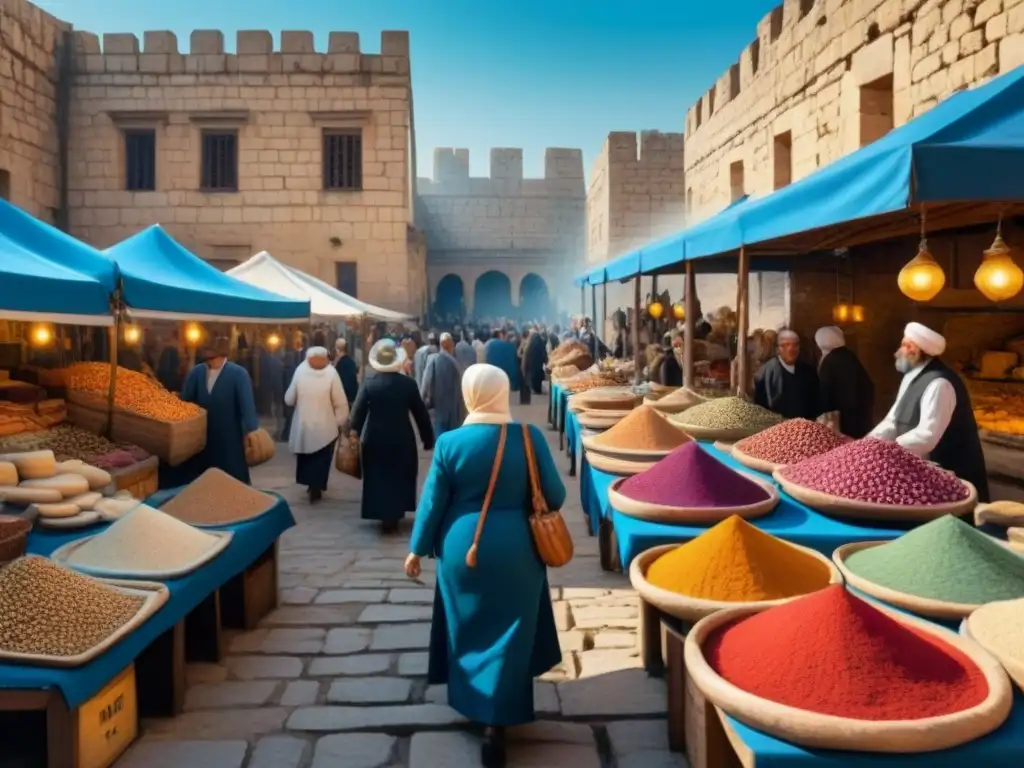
<point x="792" y="441"/>
<point x="877" y="472"/>
<point x="689" y="477"/>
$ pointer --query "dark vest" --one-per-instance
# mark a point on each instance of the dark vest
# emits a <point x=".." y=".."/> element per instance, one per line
<point x="959" y="448"/>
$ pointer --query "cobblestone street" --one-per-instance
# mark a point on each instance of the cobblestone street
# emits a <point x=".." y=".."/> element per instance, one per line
<point x="336" y="676"/>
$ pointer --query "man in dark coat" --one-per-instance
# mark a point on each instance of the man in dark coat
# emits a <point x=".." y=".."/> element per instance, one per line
<point x="787" y="385"/>
<point x="536" y="356"/>
<point x="380" y="417"/>
<point x="844" y="386"/>
<point x="347" y="371"/>
<point x="168" y="367"/>
<point x="595" y="346"/>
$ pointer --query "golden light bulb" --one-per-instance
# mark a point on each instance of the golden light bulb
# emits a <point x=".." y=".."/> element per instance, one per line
<point x="41" y="335"/>
<point x="922" y="278"/>
<point x="273" y="341"/>
<point x="999" y="278"/>
<point x="679" y="310"/>
<point x="857" y="313"/>
<point x="193" y="334"/>
<point x="132" y="334"/>
<point x="841" y="313"/>
<point x="655" y="310"/>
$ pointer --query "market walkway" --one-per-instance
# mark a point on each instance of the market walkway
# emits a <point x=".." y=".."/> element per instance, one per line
<point x="335" y="677"/>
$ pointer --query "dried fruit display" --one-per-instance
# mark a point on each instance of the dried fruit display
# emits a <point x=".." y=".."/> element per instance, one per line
<point x="728" y="413"/>
<point x="877" y="472"/>
<point x="791" y="441"/>
<point x="48" y="610"/>
<point x="135" y="392"/>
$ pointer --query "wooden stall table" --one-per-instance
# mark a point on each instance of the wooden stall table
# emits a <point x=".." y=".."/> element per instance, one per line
<point x="252" y="594"/>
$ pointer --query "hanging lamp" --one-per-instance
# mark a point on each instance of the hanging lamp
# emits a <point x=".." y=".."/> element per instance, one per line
<point x="999" y="278"/>
<point x="655" y="310"/>
<point x="921" y="278"/>
<point x="679" y="311"/>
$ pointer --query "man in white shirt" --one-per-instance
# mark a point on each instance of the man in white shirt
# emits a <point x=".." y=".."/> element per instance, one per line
<point x="932" y="416"/>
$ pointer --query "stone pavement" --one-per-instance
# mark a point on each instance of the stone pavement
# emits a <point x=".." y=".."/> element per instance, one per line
<point x="335" y="677"/>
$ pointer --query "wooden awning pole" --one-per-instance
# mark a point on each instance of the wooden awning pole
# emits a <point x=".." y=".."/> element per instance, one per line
<point x="638" y="354"/>
<point x="743" y="321"/>
<point x="689" y="291"/>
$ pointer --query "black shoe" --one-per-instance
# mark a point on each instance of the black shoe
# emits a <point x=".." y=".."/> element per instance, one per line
<point x="389" y="527"/>
<point x="492" y="751"/>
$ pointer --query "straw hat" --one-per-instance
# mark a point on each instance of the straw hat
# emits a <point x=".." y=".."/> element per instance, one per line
<point x="387" y="357"/>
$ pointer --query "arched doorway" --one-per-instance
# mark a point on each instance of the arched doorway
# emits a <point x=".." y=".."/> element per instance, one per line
<point x="492" y="296"/>
<point x="534" y="301"/>
<point x="450" y="299"/>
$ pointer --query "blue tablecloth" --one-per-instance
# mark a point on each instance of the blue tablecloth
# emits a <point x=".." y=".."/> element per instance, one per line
<point x="251" y="539"/>
<point x="790" y="520"/>
<point x="573" y="434"/>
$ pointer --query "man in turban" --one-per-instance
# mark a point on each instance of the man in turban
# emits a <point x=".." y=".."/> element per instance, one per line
<point x="787" y="385"/>
<point x="932" y="415"/>
<point x="844" y="384"/>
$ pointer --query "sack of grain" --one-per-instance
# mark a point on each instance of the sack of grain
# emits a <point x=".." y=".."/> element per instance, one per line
<point x="259" y="448"/>
<point x="347" y="459"/>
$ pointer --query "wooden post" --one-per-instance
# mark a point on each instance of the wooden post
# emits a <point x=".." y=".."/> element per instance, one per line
<point x="689" y="323"/>
<point x="742" y="321"/>
<point x="638" y="354"/>
<point x="114" y="335"/>
<point x="604" y="305"/>
<point x="583" y="300"/>
<point x="593" y="310"/>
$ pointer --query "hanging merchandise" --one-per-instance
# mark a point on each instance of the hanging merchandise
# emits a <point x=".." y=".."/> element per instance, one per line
<point x="922" y="278"/>
<point x="999" y="278"/>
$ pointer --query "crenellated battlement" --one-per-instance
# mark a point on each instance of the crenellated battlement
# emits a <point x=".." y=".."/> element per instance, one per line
<point x="451" y="170"/>
<point x="649" y="148"/>
<point x="255" y="52"/>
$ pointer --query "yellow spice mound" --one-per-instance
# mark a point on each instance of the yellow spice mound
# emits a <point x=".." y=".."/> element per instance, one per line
<point x="734" y="562"/>
<point x="643" y="429"/>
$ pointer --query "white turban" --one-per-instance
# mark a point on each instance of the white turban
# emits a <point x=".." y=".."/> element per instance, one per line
<point x="930" y="342"/>
<point x="788" y="335"/>
<point x="485" y="388"/>
<point x="830" y="337"/>
<point x="316" y="352"/>
<point x="446" y="337"/>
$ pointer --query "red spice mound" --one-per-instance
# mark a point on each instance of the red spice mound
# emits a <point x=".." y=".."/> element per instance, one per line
<point x="691" y="477"/>
<point x="792" y="441"/>
<point x="879" y="472"/>
<point x="835" y="654"/>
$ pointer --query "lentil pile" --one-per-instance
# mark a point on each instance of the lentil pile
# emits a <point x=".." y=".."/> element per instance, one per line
<point x="70" y="442"/>
<point x="835" y="654"/>
<point x="691" y="477"/>
<point x="734" y="562"/>
<point x="143" y="541"/>
<point x="47" y="610"/>
<point x="216" y="498"/>
<point x="642" y="430"/>
<point x="728" y="413"/>
<point x="945" y="559"/>
<point x="877" y="472"/>
<point x="134" y="392"/>
<point x="1000" y="628"/>
<point x="791" y="441"/>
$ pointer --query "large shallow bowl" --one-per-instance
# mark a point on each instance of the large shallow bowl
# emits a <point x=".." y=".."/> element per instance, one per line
<point x="1014" y="667"/>
<point x="606" y="399"/>
<point x="817" y="731"/>
<point x="616" y="466"/>
<point x="64" y="552"/>
<point x="597" y="421"/>
<point x="706" y="433"/>
<point x="694" y="608"/>
<point x="863" y="510"/>
<point x="661" y="513"/>
<point x="754" y="463"/>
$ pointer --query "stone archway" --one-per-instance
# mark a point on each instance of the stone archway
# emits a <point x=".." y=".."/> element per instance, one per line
<point x="492" y="295"/>
<point x="534" y="299"/>
<point x="450" y="298"/>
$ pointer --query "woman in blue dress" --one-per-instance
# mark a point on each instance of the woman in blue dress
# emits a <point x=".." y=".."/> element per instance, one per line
<point x="493" y="627"/>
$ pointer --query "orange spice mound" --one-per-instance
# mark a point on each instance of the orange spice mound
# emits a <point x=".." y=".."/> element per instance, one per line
<point x="642" y="430"/>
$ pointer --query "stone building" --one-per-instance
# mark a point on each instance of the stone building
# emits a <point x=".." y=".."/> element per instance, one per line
<point x="503" y="245"/>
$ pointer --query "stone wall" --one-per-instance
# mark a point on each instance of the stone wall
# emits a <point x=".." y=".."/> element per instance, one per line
<point x="280" y="102"/>
<point x="29" y="164"/>
<point x="504" y="221"/>
<point x="824" y="77"/>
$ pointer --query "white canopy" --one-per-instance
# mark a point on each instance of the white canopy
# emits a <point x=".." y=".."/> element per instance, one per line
<point x="326" y="302"/>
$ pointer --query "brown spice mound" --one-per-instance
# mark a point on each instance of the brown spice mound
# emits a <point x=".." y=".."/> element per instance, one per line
<point x="642" y="430"/>
<point x="216" y="498"/>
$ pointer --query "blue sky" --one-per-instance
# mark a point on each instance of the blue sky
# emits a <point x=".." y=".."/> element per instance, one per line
<point x="498" y="73"/>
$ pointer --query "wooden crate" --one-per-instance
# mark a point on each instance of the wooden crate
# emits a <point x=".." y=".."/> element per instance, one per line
<point x="88" y="417"/>
<point x="710" y="741"/>
<point x="252" y="594"/>
<point x="173" y="442"/>
<point x="140" y="480"/>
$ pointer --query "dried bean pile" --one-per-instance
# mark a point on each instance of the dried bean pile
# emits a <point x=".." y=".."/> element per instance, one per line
<point x="791" y="441"/>
<point x="728" y="413"/>
<point x="71" y="442"/>
<point x="47" y="610"/>
<point x="216" y="498"/>
<point x="877" y="472"/>
<point x="134" y="392"/>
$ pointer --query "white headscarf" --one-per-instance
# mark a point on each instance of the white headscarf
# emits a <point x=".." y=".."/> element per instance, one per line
<point x="830" y="337"/>
<point x="931" y="343"/>
<point x="485" y="388"/>
<point x="316" y="352"/>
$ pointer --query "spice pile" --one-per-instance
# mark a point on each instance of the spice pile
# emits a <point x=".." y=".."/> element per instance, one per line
<point x="642" y="430"/>
<point x="593" y="380"/>
<point x="216" y="498"/>
<point x="135" y="392"/>
<point x="689" y="477"/>
<point x="728" y="413"/>
<point x="734" y="562"/>
<point x="70" y="442"/>
<point x="791" y="441"/>
<point x="999" y="627"/>
<point x="835" y="654"/>
<point x="877" y="472"/>
<point x="47" y="610"/>
<point x="143" y="541"/>
<point x="945" y="559"/>
<point x="679" y="400"/>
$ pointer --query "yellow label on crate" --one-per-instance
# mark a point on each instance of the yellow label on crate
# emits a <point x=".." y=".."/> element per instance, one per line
<point x="108" y="722"/>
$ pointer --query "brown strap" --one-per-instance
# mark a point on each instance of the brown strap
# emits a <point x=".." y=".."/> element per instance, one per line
<point x="540" y="505"/>
<point x="471" y="555"/>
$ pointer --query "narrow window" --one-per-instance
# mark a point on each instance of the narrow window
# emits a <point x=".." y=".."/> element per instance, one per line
<point x="876" y="110"/>
<point x="220" y="161"/>
<point x="738" y="188"/>
<point x="346" y="277"/>
<point x="140" y="160"/>
<point x="783" y="160"/>
<point x="343" y="160"/>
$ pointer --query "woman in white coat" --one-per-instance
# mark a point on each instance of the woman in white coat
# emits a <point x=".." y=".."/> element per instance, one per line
<point x="321" y="410"/>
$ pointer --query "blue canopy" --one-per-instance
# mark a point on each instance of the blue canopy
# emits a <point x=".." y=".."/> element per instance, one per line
<point x="161" y="279"/>
<point x="46" y="274"/>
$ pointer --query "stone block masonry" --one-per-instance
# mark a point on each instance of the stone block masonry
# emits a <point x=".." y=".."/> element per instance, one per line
<point x="281" y="106"/>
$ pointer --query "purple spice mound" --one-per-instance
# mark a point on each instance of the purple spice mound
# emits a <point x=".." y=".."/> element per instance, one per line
<point x="691" y="477"/>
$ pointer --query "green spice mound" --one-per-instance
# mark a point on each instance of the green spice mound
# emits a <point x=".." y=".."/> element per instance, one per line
<point x="945" y="560"/>
<point x="727" y="413"/>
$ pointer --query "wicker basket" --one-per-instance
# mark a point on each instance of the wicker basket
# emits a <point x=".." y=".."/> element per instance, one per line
<point x="141" y="480"/>
<point x="13" y="537"/>
<point x="660" y="513"/>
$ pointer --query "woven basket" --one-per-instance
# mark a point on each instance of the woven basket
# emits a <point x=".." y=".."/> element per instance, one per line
<point x="862" y="510"/>
<point x="601" y="422"/>
<point x="693" y="608"/>
<point x="817" y="731"/>
<point x="660" y="513"/>
<point x="618" y="466"/>
<point x="605" y="399"/>
<point x="1014" y="667"/>
<point x="13" y="537"/>
<point x="921" y="606"/>
<point x="750" y="462"/>
<point x="706" y="433"/>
